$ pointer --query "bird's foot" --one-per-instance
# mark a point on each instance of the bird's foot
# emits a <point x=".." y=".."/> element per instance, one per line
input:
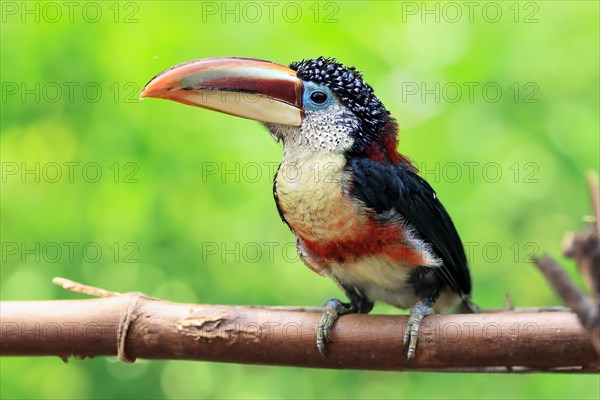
<point x="333" y="309"/>
<point x="417" y="313"/>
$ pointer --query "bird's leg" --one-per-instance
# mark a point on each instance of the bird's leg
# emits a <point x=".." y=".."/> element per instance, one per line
<point x="334" y="308"/>
<point x="417" y="313"/>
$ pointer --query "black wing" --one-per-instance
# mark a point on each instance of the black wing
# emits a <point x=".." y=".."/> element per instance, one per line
<point x="397" y="187"/>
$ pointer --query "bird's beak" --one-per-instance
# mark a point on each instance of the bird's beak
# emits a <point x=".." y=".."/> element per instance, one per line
<point x="248" y="88"/>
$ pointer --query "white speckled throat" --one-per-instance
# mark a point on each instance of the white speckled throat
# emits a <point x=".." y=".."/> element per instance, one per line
<point x="322" y="132"/>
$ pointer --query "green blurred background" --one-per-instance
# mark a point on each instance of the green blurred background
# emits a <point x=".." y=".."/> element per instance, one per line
<point x="497" y="104"/>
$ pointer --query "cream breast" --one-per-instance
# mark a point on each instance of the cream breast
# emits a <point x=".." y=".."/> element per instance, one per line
<point x="311" y="191"/>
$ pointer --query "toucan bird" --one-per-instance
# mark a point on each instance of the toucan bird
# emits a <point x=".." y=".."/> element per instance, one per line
<point x="360" y="212"/>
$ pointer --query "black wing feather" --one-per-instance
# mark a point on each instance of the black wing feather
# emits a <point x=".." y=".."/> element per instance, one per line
<point x="397" y="187"/>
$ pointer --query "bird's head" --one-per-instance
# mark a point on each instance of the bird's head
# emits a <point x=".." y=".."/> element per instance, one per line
<point x="314" y="106"/>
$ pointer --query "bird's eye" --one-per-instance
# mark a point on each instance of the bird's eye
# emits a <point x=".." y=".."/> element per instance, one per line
<point x="318" y="97"/>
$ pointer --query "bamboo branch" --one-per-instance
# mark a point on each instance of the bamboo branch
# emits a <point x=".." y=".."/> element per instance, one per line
<point x="584" y="248"/>
<point x="132" y="325"/>
<point x="586" y="308"/>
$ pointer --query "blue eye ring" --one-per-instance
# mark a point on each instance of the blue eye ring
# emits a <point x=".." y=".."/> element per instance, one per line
<point x="317" y="97"/>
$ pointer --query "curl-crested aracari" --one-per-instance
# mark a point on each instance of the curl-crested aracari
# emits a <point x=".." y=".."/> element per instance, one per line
<point x="360" y="212"/>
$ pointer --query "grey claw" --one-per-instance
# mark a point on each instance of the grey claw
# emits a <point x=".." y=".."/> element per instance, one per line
<point x="322" y="336"/>
<point x="321" y="347"/>
<point x="333" y="309"/>
<point x="417" y="313"/>
<point x="406" y="337"/>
